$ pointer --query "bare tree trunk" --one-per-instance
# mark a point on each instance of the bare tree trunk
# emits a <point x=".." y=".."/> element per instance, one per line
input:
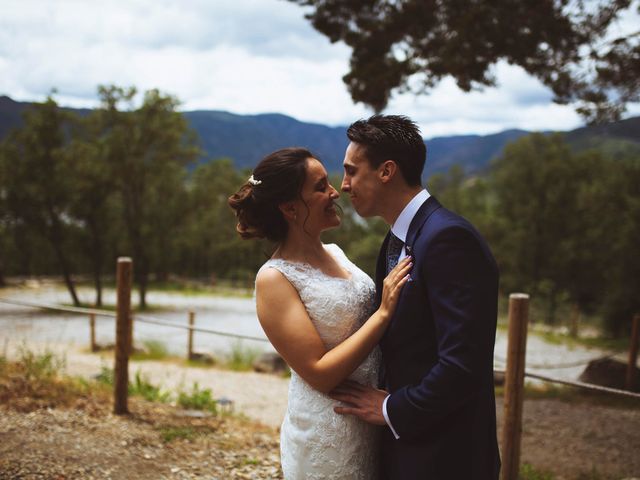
<point x="142" y="276"/>
<point x="97" y="278"/>
<point x="55" y="238"/>
<point x="552" y="307"/>
<point x="96" y="253"/>
<point x="575" y="320"/>
<point x="66" y="274"/>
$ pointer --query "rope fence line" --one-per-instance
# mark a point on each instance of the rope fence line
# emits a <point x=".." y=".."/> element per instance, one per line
<point x="157" y="321"/>
<point x="585" y="386"/>
<point x="558" y="366"/>
<point x="138" y="318"/>
<point x="88" y="311"/>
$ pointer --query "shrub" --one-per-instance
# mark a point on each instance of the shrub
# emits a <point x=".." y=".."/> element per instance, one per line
<point x="198" y="399"/>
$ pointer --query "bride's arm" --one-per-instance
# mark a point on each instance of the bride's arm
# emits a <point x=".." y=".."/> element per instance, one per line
<point x="290" y="330"/>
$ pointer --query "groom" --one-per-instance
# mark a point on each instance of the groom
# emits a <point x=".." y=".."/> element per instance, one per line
<point x="438" y="400"/>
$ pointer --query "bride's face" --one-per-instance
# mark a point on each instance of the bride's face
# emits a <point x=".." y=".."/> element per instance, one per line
<point x="317" y="210"/>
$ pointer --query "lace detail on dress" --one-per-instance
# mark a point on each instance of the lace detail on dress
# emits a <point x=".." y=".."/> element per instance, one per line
<point x="315" y="442"/>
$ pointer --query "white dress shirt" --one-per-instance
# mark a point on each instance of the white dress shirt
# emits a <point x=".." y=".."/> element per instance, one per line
<point x="400" y="229"/>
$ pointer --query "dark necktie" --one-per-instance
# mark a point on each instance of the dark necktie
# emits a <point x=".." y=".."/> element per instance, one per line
<point x="394" y="247"/>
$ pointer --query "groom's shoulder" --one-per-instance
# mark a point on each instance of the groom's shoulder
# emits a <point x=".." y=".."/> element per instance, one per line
<point x="443" y="218"/>
<point x="445" y="221"/>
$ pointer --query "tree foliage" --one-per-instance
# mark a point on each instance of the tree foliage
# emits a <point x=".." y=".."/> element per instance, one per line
<point x="561" y="224"/>
<point x="76" y="192"/>
<point x="570" y="46"/>
<point x="36" y="187"/>
<point x="148" y="149"/>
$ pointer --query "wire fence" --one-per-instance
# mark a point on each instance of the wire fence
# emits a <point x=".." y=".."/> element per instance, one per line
<point x="157" y="321"/>
<point x="138" y="318"/>
<point x="558" y="366"/>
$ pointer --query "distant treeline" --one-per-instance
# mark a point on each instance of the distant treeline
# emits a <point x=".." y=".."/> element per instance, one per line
<point x="124" y="180"/>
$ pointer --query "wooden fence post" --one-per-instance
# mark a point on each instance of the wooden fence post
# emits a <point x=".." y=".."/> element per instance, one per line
<point x="92" y="332"/>
<point x="130" y="335"/>
<point x="123" y="340"/>
<point x="633" y="353"/>
<point x="514" y="385"/>
<point x="192" y="315"/>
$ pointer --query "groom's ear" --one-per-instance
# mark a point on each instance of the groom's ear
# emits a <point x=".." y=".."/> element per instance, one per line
<point x="387" y="170"/>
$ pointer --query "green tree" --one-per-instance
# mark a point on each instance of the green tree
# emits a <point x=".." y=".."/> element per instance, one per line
<point x="469" y="196"/>
<point x="571" y="47"/>
<point x="214" y="247"/>
<point x="4" y="226"/>
<point x="537" y="182"/>
<point x="92" y="193"/>
<point x="37" y="182"/>
<point x="148" y="148"/>
<point x="615" y="204"/>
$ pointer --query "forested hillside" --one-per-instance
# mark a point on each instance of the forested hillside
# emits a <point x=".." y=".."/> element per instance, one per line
<point x="246" y="138"/>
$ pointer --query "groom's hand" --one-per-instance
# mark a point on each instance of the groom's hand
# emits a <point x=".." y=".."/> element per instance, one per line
<point x="362" y="401"/>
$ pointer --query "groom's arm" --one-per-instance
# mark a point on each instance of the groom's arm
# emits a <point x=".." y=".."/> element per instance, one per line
<point x="459" y="277"/>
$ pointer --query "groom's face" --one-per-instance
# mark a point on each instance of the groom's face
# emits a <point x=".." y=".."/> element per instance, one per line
<point x="360" y="181"/>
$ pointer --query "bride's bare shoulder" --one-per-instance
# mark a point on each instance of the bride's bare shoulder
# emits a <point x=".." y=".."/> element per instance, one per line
<point x="270" y="280"/>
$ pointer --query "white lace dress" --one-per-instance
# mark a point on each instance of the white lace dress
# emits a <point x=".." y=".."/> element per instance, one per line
<point x="315" y="442"/>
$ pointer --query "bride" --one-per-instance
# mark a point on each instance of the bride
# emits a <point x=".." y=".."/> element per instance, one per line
<point x="315" y="307"/>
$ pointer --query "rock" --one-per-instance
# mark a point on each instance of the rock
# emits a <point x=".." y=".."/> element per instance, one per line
<point x="202" y="358"/>
<point x="608" y="372"/>
<point x="270" y="362"/>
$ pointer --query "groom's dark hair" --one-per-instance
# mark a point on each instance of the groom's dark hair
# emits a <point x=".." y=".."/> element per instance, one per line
<point x="392" y="137"/>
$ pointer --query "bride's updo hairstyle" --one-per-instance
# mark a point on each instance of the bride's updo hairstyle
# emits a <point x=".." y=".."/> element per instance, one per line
<point x="277" y="179"/>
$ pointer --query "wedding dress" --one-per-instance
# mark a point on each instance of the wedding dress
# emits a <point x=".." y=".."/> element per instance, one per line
<point x="316" y="442"/>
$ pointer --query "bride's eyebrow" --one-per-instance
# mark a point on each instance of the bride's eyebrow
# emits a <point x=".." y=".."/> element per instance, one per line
<point x="322" y="181"/>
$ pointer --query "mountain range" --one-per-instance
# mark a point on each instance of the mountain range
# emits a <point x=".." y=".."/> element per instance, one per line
<point x="247" y="138"/>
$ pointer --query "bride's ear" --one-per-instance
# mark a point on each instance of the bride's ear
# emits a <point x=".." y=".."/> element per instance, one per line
<point x="289" y="211"/>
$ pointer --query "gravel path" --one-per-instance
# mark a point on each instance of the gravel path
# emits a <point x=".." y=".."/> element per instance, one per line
<point x="580" y="439"/>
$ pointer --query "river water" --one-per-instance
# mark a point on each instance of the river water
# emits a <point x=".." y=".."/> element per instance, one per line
<point x="234" y="315"/>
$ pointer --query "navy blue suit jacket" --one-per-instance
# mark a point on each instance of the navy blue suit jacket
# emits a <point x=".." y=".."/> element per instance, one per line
<point x="438" y="354"/>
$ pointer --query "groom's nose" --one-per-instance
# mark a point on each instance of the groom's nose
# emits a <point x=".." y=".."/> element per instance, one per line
<point x="345" y="186"/>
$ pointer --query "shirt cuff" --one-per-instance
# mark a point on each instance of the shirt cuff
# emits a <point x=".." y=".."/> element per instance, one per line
<point x="386" y="417"/>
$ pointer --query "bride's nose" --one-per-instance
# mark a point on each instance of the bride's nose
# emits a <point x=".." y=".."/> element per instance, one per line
<point x="334" y="193"/>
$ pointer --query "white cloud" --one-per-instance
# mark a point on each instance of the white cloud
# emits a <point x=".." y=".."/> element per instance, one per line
<point x="244" y="56"/>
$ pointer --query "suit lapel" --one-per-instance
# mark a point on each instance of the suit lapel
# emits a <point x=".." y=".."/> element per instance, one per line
<point x="381" y="267"/>
<point x="421" y="216"/>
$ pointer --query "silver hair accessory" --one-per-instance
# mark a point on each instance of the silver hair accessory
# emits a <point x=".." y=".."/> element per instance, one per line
<point x="253" y="181"/>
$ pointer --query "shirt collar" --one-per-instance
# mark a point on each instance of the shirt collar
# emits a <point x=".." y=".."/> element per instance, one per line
<point x="400" y="227"/>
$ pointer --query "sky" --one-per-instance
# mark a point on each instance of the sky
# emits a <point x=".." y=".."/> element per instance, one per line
<point x="242" y="56"/>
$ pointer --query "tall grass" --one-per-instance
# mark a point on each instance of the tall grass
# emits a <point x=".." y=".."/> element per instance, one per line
<point x="152" y="350"/>
<point x="40" y="366"/>
<point x="241" y="357"/>
<point x="143" y="387"/>
<point x="528" y="472"/>
<point x="34" y="380"/>
<point x="198" y="399"/>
